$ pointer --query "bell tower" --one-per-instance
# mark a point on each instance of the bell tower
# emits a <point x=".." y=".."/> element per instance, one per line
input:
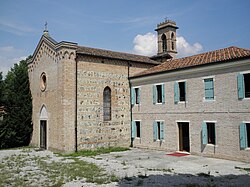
<point x="166" y="40"/>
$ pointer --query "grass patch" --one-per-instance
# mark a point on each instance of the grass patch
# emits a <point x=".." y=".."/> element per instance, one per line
<point x="49" y="173"/>
<point x="98" y="151"/>
<point x="245" y="169"/>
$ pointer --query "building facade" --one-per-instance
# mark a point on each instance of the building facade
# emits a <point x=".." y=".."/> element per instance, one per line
<point x="198" y="104"/>
<point x="84" y="98"/>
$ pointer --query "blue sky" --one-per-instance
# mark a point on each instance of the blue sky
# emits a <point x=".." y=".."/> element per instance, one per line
<point x="118" y="25"/>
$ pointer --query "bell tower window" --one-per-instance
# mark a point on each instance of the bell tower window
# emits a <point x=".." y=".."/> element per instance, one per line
<point x="164" y="43"/>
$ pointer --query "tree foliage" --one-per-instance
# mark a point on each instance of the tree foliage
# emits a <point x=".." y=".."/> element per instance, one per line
<point x="16" y="127"/>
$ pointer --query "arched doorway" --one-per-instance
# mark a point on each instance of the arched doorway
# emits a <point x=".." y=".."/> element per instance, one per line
<point x="43" y="128"/>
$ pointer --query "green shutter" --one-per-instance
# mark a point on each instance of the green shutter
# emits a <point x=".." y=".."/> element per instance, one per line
<point x="163" y="93"/>
<point x="176" y="92"/>
<point x="162" y="130"/>
<point x="132" y="96"/>
<point x="154" y="94"/>
<point x="209" y="88"/>
<point x="139" y="95"/>
<point x="241" y="89"/>
<point x="155" y="131"/>
<point x="204" y="133"/>
<point x="133" y="129"/>
<point x="243" y="136"/>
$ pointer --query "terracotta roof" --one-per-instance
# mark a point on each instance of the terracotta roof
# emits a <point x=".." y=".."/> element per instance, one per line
<point x="218" y="56"/>
<point x="115" y="55"/>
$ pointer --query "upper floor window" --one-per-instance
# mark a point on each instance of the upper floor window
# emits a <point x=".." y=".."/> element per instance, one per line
<point x="209" y="88"/>
<point x="107" y="104"/>
<point x="135" y="95"/>
<point x="164" y="43"/>
<point x="179" y="91"/>
<point x="158" y="93"/>
<point x="243" y="85"/>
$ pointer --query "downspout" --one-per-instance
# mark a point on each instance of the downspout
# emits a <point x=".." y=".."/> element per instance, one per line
<point x="76" y="107"/>
<point x="130" y="108"/>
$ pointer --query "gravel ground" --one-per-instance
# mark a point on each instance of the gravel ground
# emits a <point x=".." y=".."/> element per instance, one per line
<point x="136" y="167"/>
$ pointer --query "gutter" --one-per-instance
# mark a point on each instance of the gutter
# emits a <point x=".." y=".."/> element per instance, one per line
<point x="76" y="106"/>
<point x="130" y="108"/>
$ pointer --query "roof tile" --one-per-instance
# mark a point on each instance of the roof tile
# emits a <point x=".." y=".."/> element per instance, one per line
<point x="115" y="55"/>
<point x="216" y="56"/>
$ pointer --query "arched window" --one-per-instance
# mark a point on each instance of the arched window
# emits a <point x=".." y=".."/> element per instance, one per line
<point x="107" y="104"/>
<point x="172" y="45"/>
<point x="172" y="36"/>
<point x="164" y="43"/>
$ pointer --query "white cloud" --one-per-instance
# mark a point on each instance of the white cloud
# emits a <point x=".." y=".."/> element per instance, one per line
<point x="186" y="49"/>
<point x="8" y="57"/>
<point x="147" y="45"/>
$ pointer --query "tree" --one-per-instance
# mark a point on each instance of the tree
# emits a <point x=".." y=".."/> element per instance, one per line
<point x="16" y="127"/>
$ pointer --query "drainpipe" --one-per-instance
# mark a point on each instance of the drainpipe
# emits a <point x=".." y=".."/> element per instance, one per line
<point x="76" y="107"/>
<point x="130" y="108"/>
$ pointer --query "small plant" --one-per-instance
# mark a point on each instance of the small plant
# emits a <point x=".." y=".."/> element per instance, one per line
<point x="123" y="163"/>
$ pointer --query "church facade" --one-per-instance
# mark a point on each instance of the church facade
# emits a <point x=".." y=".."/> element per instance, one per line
<point x="84" y="98"/>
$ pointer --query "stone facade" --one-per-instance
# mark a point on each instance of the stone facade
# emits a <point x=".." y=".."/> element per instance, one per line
<point x="226" y="110"/>
<point x="67" y="94"/>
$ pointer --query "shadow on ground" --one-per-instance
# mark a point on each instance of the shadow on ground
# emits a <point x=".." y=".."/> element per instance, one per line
<point x="200" y="180"/>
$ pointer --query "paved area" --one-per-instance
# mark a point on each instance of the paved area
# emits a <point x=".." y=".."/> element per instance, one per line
<point x="139" y="167"/>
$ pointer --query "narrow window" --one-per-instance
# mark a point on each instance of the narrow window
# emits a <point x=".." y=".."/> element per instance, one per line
<point x="209" y="88"/>
<point x="182" y="91"/>
<point x="159" y="93"/>
<point x="248" y="134"/>
<point x="138" y="129"/>
<point x="158" y="130"/>
<point x="164" y="43"/>
<point x="107" y="104"/>
<point x="247" y="84"/>
<point x="172" y="45"/>
<point x="211" y="133"/>
<point x="137" y="96"/>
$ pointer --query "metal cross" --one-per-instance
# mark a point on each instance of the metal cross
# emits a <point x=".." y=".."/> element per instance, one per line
<point x="46" y="24"/>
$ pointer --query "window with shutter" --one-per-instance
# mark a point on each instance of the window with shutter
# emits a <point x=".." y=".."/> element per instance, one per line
<point x="155" y="133"/>
<point x="204" y="133"/>
<point x="138" y="129"/>
<point x="247" y="85"/>
<point x="132" y="96"/>
<point x="243" y="136"/>
<point x="133" y="129"/>
<point x="161" y="130"/>
<point x="107" y="104"/>
<point x="209" y="88"/>
<point x="176" y="92"/>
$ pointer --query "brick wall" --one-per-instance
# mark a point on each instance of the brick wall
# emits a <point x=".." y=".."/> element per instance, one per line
<point x="226" y="110"/>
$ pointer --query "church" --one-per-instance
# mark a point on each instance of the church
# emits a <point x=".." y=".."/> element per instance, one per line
<point x="85" y="98"/>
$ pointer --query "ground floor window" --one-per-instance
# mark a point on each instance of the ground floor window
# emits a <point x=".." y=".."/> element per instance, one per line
<point x="208" y="133"/>
<point x="158" y="130"/>
<point x="136" y="129"/>
<point x="244" y="135"/>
